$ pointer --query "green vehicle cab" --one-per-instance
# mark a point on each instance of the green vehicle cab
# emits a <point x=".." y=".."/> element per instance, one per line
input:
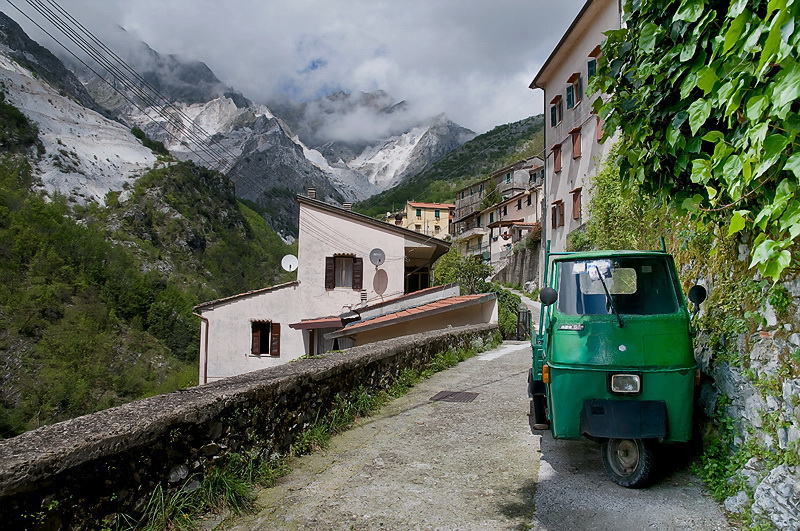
<point x="613" y="358"/>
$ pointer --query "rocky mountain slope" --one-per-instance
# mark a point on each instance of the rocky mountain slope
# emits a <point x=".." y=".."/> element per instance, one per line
<point x="83" y="154"/>
<point x="470" y="162"/>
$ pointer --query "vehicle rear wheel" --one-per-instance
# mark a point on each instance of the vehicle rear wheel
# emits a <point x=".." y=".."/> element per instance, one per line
<point x="629" y="462"/>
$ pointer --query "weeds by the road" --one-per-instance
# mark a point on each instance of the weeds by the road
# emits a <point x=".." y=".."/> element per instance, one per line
<point x="230" y="484"/>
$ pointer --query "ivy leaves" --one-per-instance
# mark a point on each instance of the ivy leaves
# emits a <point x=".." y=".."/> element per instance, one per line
<point x="706" y="92"/>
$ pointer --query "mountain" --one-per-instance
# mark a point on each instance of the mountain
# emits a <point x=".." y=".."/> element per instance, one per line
<point x="370" y="134"/>
<point x="347" y="146"/>
<point x="82" y="153"/>
<point x="471" y="162"/>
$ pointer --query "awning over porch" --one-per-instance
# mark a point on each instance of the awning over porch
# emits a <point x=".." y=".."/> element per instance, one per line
<point x="320" y="322"/>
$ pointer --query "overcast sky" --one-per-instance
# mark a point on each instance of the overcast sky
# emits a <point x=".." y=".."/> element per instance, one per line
<point x="471" y="59"/>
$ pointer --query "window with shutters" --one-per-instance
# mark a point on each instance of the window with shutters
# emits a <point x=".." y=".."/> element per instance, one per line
<point x="574" y="90"/>
<point x="557" y="214"/>
<point x="576" y="142"/>
<point x="557" y="158"/>
<point x="556" y="111"/>
<point x="576" y="203"/>
<point x="344" y="271"/>
<point x="265" y="338"/>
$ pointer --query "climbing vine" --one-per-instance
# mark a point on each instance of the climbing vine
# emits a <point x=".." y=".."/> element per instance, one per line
<point x="705" y="96"/>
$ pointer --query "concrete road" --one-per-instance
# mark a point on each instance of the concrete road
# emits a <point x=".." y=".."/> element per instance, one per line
<point x="423" y="464"/>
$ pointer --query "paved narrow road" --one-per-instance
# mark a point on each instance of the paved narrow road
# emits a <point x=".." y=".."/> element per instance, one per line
<point x="423" y="464"/>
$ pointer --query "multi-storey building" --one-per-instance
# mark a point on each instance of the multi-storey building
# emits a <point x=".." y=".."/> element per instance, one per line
<point x="573" y="132"/>
<point x="474" y="205"/>
<point x="430" y="219"/>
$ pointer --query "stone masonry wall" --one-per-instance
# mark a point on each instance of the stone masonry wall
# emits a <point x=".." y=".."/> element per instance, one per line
<point x="77" y="474"/>
<point x="760" y="393"/>
<point x="522" y="267"/>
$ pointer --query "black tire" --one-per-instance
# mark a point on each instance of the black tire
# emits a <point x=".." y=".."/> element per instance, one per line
<point x="629" y="462"/>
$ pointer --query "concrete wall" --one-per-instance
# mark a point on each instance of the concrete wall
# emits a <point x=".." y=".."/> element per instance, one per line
<point x="82" y="472"/>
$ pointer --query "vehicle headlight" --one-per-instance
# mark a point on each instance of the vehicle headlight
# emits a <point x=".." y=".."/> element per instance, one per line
<point x="628" y="384"/>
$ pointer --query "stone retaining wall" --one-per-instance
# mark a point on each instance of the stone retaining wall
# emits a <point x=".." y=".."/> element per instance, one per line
<point x="81" y="472"/>
<point x="522" y="268"/>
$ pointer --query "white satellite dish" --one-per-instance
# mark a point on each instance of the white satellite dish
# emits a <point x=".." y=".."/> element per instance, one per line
<point x="377" y="257"/>
<point x="289" y="262"/>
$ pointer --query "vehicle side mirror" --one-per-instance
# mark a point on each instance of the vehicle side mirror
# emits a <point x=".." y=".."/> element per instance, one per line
<point x="548" y="296"/>
<point x="697" y="294"/>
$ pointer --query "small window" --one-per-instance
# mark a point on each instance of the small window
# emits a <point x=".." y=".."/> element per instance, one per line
<point x="576" y="142"/>
<point x="530" y="196"/>
<point x="419" y="213"/>
<point x="505" y="210"/>
<point x="436" y="229"/>
<point x="519" y="204"/>
<point x="576" y="203"/>
<point x="557" y="158"/>
<point x="436" y="214"/>
<point x="574" y="90"/>
<point x="508" y="177"/>
<point x="478" y="221"/>
<point x="418" y="228"/>
<point x="463" y="193"/>
<point x="556" y="111"/>
<point x="265" y="338"/>
<point x="491" y="217"/>
<point x="344" y="272"/>
<point x="557" y="214"/>
<point x="591" y="68"/>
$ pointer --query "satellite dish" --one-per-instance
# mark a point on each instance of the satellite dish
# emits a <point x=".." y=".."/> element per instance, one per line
<point x="289" y="263"/>
<point x="377" y="257"/>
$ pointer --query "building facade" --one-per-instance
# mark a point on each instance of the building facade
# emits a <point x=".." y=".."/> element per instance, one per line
<point x="430" y="219"/>
<point x="476" y="208"/>
<point x="338" y="274"/>
<point x="573" y="132"/>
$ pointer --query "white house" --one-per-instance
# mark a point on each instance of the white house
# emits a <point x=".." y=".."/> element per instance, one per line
<point x="573" y="132"/>
<point x="347" y="263"/>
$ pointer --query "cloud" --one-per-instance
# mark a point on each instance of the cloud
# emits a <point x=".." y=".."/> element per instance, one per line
<point x="470" y="59"/>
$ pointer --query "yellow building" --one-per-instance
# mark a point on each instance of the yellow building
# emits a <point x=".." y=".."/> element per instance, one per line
<point x="430" y="219"/>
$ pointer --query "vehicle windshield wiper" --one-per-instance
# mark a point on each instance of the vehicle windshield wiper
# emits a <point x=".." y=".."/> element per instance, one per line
<point x="608" y="297"/>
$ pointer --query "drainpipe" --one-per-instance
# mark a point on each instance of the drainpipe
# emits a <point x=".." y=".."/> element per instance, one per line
<point x="205" y="346"/>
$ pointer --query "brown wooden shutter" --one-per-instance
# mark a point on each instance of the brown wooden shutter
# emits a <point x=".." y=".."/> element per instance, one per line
<point x="275" y="340"/>
<point x="256" y="340"/>
<point x="358" y="273"/>
<point x="330" y="266"/>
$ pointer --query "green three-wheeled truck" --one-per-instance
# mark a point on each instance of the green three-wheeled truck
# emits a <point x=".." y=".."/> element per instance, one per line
<point x="613" y="358"/>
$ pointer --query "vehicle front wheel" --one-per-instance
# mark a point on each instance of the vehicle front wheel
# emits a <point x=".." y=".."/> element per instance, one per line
<point x="629" y="462"/>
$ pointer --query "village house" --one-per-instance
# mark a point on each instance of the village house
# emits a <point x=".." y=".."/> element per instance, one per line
<point x="510" y="221"/>
<point x="475" y="209"/>
<point x="430" y="219"/>
<point x="573" y="132"/>
<point x="351" y="269"/>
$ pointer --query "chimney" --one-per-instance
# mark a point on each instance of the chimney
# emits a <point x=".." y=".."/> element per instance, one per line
<point x="312" y="193"/>
<point x="348" y="206"/>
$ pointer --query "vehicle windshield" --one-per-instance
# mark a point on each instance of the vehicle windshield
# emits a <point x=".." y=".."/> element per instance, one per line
<point x="636" y="285"/>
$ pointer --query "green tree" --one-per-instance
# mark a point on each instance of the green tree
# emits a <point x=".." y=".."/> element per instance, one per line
<point x="705" y="96"/>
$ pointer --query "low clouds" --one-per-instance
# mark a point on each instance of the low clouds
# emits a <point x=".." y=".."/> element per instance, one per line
<point x="470" y="59"/>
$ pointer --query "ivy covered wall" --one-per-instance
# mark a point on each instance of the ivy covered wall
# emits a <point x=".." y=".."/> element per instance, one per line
<point x="705" y="95"/>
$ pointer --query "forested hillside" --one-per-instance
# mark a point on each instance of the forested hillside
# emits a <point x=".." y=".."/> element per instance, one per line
<point x="471" y="162"/>
<point x="95" y="303"/>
